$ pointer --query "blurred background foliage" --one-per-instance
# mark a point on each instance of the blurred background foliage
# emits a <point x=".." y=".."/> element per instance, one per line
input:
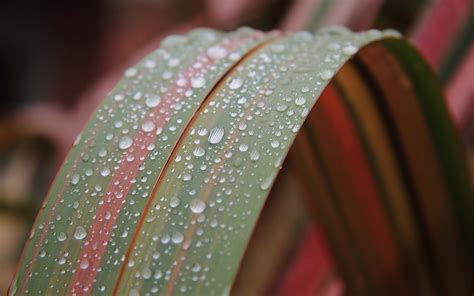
<point x="58" y="59"/>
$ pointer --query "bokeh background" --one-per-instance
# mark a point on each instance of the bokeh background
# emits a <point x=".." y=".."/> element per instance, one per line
<point x="58" y="59"/>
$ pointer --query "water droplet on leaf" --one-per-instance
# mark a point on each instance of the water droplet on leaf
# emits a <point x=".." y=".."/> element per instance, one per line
<point x="84" y="264"/>
<point x="198" y="82"/>
<point x="197" y="206"/>
<point x="254" y="155"/>
<point x="349" y="49"/>
<point x="235" y="83"/>
<point x="266" y="183"/>
<point x="217" y="52"/>
<point x="80" y="233"/>
<point x="174" y="202"/>
<point x="119" y="97"/>
<point x="152" y="101"/>
<point x="62" y="236"/>
<point x="177" y="237"/>
<point x="105" y="171"/>
<point x="125" y="142"/>
<point x="146" y="273"/>
<point x="199" y="151"/>
<point x="148" y="126"/>
<point x="216" y="135"/>
<point x="243" y="147"/>
<point x="326" y="74"/>
<point x="300" y="101"/>
<point x="75" y="179"/>
<point x="130" y="72"/>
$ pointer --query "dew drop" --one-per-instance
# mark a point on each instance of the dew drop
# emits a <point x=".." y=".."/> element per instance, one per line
<point x="148" y="126"/>
<point x="125" y="142"/>
<point x="165" y="239"/>
<point x="254" y="155"/>
<point x="133" y="292"/>
<point x="130" y="157"/>
<point x="196" y="267"/>
<point x="156" y="255"/>
<point x="84" y="264"/>
<point x="177" y="106"/>
<point x="152" y="101"/>
<point x="175" y="202"/>
<point x="118" y="124"/>
<point x="80" y="233"/>
<point x="197" y="206"/>
<point x="236" y="83"/>
<point x="75" y="179"/>
<point x="199" y="151"/>
<point x="130" y="72"/>
<point x="243" y="147"/>
<point x="146" y="273"/>
<point x="300" y="101"/>
<point x="105" y="171"/>
<point x="158" y="274"/>
<point x="187" y="177"/>
<point x="281" y="107"/>
<point x="242" y="101"/>
<point x="202" y="131"/>
<point x="217" y="52"/>
<point x="181" y="82"/>
<point x="349" y="49"/>
<point x="177" y="237"/>
<point x="62" y="236"/>
<point x="77" y="140"/>
<point x="326" y="74"/>
<point x="150" y="64"/>
<point x="102" y="152"/>
<point x="119" y="97"/>
<point x="108" y="215"/>
<point x="266" y="183"/>
<point x="198" y="82"/>
<point x="216" y="134"/>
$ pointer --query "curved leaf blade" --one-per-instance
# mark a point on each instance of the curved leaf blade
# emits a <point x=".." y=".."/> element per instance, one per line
<point x="161" y="193"/>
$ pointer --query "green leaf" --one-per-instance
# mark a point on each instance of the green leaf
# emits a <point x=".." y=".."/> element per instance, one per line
<point x="163" y="188"/>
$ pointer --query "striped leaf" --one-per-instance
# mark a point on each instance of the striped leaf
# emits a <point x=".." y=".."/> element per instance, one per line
<point x="162" y="191"/>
